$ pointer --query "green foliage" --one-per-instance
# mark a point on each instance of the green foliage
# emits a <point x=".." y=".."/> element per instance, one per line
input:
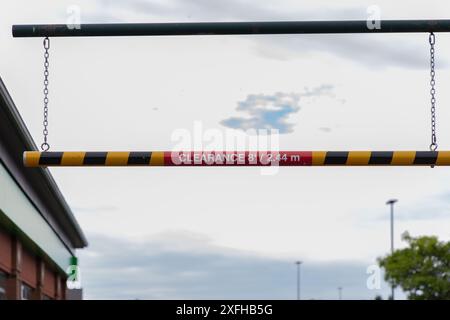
<point x="422" y="269"/>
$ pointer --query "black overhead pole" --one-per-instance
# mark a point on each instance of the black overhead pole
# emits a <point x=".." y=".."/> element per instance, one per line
<point x="229" y="28"/>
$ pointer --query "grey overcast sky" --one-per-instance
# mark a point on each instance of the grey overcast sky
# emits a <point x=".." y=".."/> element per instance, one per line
<point x="232" y="232"/>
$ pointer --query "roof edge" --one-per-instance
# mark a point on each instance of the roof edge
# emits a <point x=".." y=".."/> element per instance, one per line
<point x="20" y="140"/>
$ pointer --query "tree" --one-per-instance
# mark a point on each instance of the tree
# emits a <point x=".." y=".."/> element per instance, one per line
<point x="422" y="269"/>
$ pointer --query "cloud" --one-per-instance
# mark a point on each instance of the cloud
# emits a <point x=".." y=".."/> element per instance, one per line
<point x="229" y="10"/>
<point x="373" y="51"/>
<point x="421" y="212"/>
<point x="428" y="209"/>
<point x="266" y="112"/>
<point x="180" y="265"/>
<point x="95" y="208"/>
<point x="272" y="111"/>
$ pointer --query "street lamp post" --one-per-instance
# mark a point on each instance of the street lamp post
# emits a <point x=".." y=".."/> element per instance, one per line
<point x="391" y="203"/>
<point x="298" y="263"/>
<point x="340" y="293"/>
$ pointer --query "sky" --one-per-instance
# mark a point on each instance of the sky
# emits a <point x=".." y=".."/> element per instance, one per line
<point x="192" y="233"/>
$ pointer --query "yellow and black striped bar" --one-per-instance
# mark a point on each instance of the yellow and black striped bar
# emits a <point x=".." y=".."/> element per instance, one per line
<point x="237" y="158"/>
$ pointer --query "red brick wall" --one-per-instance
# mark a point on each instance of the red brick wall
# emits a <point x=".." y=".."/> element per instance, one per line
<point x="29" y="269"/>
<point x="63" y="288"/>
<point x="5" y="252"/>
<point x="49" y="283"/>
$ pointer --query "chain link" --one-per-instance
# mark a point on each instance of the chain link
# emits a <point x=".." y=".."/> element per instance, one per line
<point x="433" y="145"/>
<point x="45" y="146"/>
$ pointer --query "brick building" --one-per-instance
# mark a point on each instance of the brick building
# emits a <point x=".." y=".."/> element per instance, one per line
<point x="38" y="232"/>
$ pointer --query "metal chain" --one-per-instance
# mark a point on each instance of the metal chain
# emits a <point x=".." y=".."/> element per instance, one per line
<point x="45" y="146"/>
<point x="433" y="145"/>
<point x="432" y="40"/>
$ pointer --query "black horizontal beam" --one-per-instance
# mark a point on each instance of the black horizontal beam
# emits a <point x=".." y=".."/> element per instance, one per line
<point x="228" y="28"/>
